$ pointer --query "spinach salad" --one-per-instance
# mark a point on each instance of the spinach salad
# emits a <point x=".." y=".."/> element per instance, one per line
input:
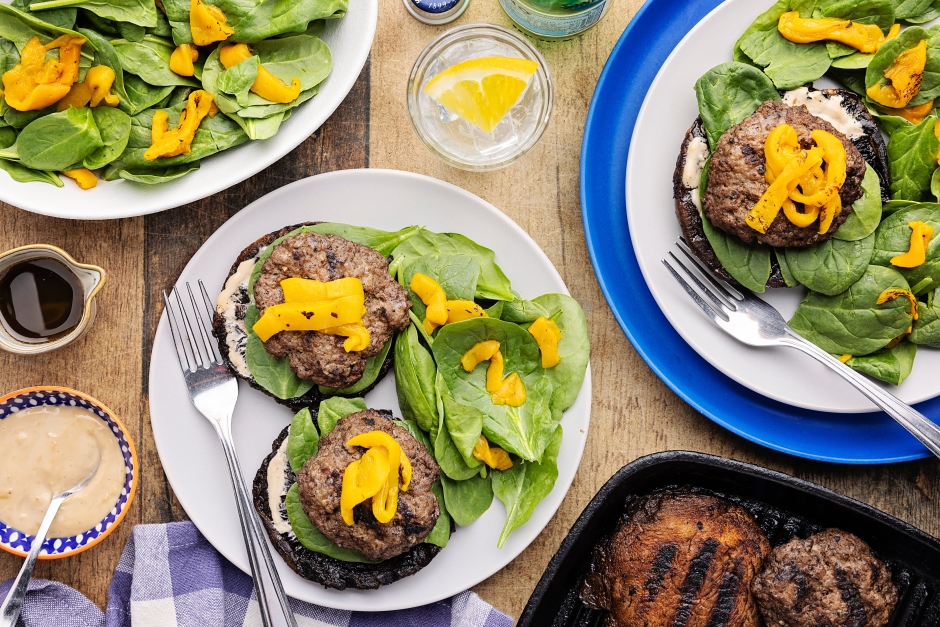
<point x="139" y="91"/>
<point x="445" y="407"/>
<point x="862" y="305"/>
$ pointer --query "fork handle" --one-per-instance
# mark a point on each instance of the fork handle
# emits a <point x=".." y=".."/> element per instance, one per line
<point x="266" y="580"/>
<point x="921" y="427"/>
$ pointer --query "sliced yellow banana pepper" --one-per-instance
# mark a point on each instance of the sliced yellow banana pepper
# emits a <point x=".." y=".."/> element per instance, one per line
<point x="895" y="292"/>
<point x="547" y="335"/>
<point x="845" y="357"/>
<point x="494" y="373"/>
<point x="916" y="255"/>
<point x="267" y="85"/>
<point x="363" y="479"/>
<point x="432" y="295"/>
<point x="170" y="143"/>
<point x="357" y="336"/>
<point x="83" y="177"/>
<point x="481" y="351"/>
<point x="509" y="391"/>
<point x="300" y="290"/>
<point x="914" y="115"/>
<point x="770" y="203"/>
<point x="865" y="38"/>
<point x="36" y="83"/>
<point x="208" y="23"/>
<point x="94" y="90"/>
<point x="512" y="392"/>
<point x="385" y="501"/>
<point x="183" y="58"/>
<point x="494" y="457"/>
<point x="460" y="310"/>
<point x="315" y="316"/>
<point x="904" y="76"/>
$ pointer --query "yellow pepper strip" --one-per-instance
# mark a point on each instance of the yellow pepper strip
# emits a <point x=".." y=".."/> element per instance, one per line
<point x="177" y="141"/>
<point x="494" y="457"/>
<point x="182" y="59"/>
<point x="432" y="295"/>
<point x="363" y="479"/>
<point x="894" y="292"/>
<point x="35" y="83"/>
<point x="905" y="76"/>
<point x="267" y="85"/>
<point x="84" y="177"/>
<point x="865" y="38"/>
<point x="385" y="501"/>
<point x="770" y="203"/>
<point x="300" y="290"/>
<point x="94" y="90"/>
<point x="914" y="115"/>
<point x="460" y="310"/>
<point x="547" y="335"/>
<point x="208" y="23"/>
<point x="315" y="316"/>
<point x="511" y="393"/>
<point x="213" y="110"/>
<point x="829" y="211"/>
<point x="845" y="358"/>
<point x="494" y="373"/>
<point x="357" y="336"/>
<point x="481" y="351"/>
<point x="79" y="96"/>
<point x="833" y="154"/>
<point x="917" y="252"/>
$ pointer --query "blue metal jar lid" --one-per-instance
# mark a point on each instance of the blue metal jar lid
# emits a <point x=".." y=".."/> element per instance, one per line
<point x="436" y="11"/>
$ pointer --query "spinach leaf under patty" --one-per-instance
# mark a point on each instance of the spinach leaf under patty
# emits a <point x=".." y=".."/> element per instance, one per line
<point x="831" y="266"/>
<point x="729" y="93"/>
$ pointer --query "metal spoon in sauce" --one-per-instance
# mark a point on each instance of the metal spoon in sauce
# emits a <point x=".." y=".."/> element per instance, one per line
<point x="10" y="609"/>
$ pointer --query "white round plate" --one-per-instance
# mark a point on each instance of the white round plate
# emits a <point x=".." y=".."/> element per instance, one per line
<point x="349" y="39"/>
<point x="782" y="374"/>
<point x="188" y="446"/>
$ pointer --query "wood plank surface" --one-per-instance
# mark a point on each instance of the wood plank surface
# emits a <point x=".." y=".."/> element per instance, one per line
<point x="633" y="413"/>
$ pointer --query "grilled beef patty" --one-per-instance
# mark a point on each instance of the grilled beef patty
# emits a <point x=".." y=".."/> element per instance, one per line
<point x="320" y="483"/>
<point x="736" y="178"/>
<point x="317" y="356"/>
<point x="678" y="559"/>
<point x="830" y="579"/>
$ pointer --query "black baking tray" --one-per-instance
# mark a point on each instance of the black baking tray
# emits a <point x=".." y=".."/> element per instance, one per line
<point x="783" y="506"/>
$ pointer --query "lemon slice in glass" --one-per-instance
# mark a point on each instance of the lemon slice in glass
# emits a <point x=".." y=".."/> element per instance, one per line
<point x="482" y="91"/>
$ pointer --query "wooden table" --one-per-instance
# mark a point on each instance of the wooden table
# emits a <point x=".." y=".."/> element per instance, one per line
<point x="633" y="413"/>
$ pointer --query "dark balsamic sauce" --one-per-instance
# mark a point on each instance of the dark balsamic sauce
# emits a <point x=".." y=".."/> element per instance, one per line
<point x="41" y="300"/>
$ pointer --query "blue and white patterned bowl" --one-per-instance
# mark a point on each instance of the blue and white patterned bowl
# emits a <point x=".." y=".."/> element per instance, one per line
<point x="19" y="543"/>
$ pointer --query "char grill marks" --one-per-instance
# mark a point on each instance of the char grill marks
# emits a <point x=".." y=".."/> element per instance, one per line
<point x="679" y="560"/>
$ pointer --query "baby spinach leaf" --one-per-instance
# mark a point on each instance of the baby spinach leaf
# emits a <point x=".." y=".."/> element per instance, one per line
<point x="749" y="264"/>
<point x="891" y="365"/>
<point x="7" y="136"/>
<point x="456" y="274"/>
<point x="520" y="311"/>
<point x="469" y="499"/>
<point x="523" y="430"/>
<point x="301" y="56"/>
<point x="114" y="126"/>
<point x="239" y="78"/>
<point x="523" y="486"/>
<point x="139" y="12"/>
<point x="335" y="408"/>
<point x="788" y="278"/>
<point x="765" y="22"/>
<point x="255" y="20"/>
<point x="22" y="174"/>
<point x="162" y="29"/>
<point x="311" y="537"/>
<point x="150" y="60"/>
<point x="20" y="119"/>
<point x="889" y="52"/>
<point x="787" y="64"/>
<point x="866" y="211"/>
<point x="56" y="141"/>
<point x="880" y="12"/>
<point x="832" y="266"/>
<point x="99" y="24"/>
<point x="893" y="206"/>
<point x="935" y="184"/>
<point x="464" y="423"/>
<point x="369" y="375"/>
<point x="927" y="326"/>
<point x="906" y="9"/>
<point x="177" y="13"/>
<point x="63" y="18"/>
<point x="851" y="322"/>
<point x="893" y="238"/>
<point x="440" y="534"/>
<point x="141" y="95"/>
<point x="729" y="93"/>
<point x="131" y="32"/>
<point x="912" y="159"/>
<point x="414" y="379"/>
<point x="412" y="427"/>
<point x="302" y="439"/>
<point x="268" y="110"/>
<point x="272" y="374"/>
<point x="452" y="463"/>
<point x="854" y="61"/>
<point x="574" y="348"/>
<point x="20" y="27"/>
<point x="159" y="175"/>
<point x="106" y="55"/>
<point x="932" y="13"/>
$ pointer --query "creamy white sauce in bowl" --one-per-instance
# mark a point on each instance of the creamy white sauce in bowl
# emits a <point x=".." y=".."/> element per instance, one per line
<point x="51" y="438"/>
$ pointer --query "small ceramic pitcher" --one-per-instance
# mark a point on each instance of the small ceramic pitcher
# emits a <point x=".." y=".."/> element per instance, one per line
<point x="92" y="278"/>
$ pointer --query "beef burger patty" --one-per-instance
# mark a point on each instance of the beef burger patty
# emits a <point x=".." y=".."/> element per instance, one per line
<point x="320" y="483"/>
<point x="317" y="356"/>
<point x="830" y="579"/>
<point x="736" y="178"/>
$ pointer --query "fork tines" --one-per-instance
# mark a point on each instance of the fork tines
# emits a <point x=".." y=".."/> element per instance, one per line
<point x="723" y="296"/>
<point x="192" y="353"/>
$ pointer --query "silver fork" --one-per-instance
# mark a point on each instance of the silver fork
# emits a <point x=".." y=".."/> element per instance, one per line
<point x="752" y="321"/>
<point x="214" y="392"/>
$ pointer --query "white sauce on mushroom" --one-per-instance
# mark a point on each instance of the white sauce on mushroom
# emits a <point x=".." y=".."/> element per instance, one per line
<point x="695" y="158"/>
<point x="829" y="108"/>
<point x="231" y="305"/>
<point x="277" y="489"/>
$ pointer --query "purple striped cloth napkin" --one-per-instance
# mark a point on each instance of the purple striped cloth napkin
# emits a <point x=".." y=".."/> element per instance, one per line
<point x="170" y="576"/>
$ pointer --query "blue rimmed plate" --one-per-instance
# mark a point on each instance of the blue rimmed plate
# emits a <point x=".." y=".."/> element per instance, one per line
<point x="19" y="543"/>
<point x="862" y="438"/>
